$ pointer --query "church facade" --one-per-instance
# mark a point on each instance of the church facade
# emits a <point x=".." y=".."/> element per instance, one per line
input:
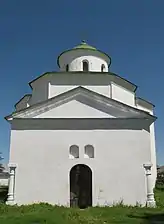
<point x="82" y="138"/>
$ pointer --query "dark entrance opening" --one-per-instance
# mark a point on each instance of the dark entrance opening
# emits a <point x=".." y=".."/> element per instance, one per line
<point x="81" y="186"/>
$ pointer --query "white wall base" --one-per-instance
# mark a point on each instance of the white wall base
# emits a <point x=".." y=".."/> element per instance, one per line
<point x="151" y="201"/>
<point x="10" y="203"/>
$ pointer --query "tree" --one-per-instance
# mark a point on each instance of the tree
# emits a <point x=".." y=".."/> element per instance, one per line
<point x="1" y="165"/>
<point x="160" y="178"/>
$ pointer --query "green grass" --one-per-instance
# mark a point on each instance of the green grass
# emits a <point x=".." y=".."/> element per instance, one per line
<point x="47" y="214"/>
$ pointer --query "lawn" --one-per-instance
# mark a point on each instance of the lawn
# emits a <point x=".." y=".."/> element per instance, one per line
<point x="44" y="213"/>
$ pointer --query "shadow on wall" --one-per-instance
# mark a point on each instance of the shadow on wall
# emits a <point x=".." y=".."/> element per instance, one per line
<point x="80" y="79"/>
<point x="79" y="124"/>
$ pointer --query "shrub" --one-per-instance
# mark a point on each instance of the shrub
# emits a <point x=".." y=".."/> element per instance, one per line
<point x="3" y="194"/>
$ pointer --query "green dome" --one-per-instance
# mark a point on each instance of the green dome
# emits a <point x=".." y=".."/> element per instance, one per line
<point x="84" y="45"/>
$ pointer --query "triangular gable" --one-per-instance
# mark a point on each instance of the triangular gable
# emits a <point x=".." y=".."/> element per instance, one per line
<point x="74" y="109"/>
<point x="86" y="97"/>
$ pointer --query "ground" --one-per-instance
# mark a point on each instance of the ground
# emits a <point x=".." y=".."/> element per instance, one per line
<point x="47" y="214"/>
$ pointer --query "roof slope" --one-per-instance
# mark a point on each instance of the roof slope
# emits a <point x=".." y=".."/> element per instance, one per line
<point x="94" y="99"/>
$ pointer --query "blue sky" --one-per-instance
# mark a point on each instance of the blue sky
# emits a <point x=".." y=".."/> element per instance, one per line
<point x="34" y="33"/>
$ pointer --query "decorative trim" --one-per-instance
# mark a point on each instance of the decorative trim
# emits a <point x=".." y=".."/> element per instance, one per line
<point x="12" y="165"/>
<point x="11" y="193"/>
<point x="150" y="202"/>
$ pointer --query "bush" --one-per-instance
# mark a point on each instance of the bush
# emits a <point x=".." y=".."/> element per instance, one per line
<point x="3" y="194"/>
<point x="160" y="179"/>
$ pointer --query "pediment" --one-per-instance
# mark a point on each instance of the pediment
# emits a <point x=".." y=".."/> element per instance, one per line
<point x="75" y="109"/>
<point x="80" y="103"/>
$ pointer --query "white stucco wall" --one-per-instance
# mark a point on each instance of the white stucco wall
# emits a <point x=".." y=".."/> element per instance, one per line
<point x="123" y="95"/>
<point x="56" y="90"/>
<point x="63" y="82"/>
<point x="93" y="62"/>
<point x="142" y="107"/>
<point x="42" y="157"/>
<point x="74" y="109"/>
<point x="152" y="141"/>
<point x="40" y="91"/>
<point x="57" y="83"/>
<point x="4" y="182"/>
<point x="75" y="58"/>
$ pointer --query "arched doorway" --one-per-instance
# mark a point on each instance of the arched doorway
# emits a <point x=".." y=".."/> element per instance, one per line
<point x="81" y="186"/>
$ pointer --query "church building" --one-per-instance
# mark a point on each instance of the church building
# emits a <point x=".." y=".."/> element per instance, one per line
<point x="82" y="137"/>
